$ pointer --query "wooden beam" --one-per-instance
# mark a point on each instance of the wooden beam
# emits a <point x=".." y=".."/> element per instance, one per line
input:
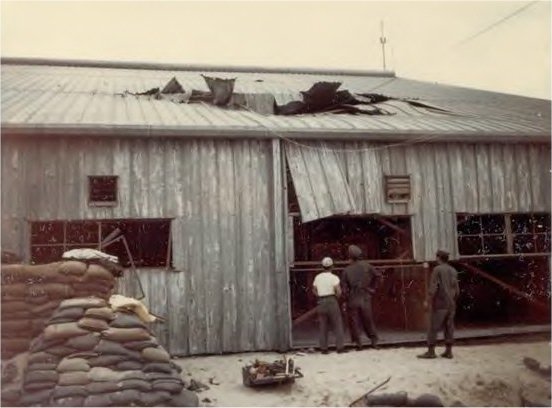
<point x="305" y="316"/>
<point x="502" y="256"/>
<point x="392" y="226"/>
<point x="504" y="285"/>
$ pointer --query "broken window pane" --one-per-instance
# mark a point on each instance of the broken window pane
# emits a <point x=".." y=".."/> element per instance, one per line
<point x="102" y="189"/>
<point x="469" y="224"/>
<point x="522" y="223"/>
<point x="524" y="244"/>
<point x="495" y="244"/>
<point x="80" y="232"/>
<point x="492" y="224"/>
<point x="469" y="245"/>
<point x="46" y="254"/>
<point x="543" y="242"/>
<point x="47" y="232"/>
<point x="542" y="222"/>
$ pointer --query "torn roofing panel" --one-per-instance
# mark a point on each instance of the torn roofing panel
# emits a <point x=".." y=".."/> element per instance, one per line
<point x="320" y="183"/>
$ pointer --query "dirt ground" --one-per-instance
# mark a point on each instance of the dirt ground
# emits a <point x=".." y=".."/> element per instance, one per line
<point x="479" y="375"/>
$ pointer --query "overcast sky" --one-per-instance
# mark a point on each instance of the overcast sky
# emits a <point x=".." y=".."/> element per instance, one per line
<point x="425" y="40"/>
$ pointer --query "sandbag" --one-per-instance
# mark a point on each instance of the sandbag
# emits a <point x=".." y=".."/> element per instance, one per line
<point x="61" y="351"/>
<point x="41" y="299"/>
<point x="124" y="335"/>
<point x="30" y="398"/>
<point x="74" y="313"/>
<point x="129" y="365"/>
<point x="63" y="391"/>
<point x="426" y="400"/>
<point x="105" y="374"/>
<point x="63" y="330"/>
<point x="155" y="398"/>
<point x="73" y="364"/>
<point x="133" y="375"/>
<point x="127" y="320"/>
<point x="37" y="386"/>
<point x="102" y="387"/>
<point x="72" y="268"/>
<point x="184" y="398"/>
<point x="13" y="326"/>
<point x="97" y="272"/>
<point x="40" y="344"/>
<point x="86" y="303"/>
<point x="168" y="386"/>
<point x="42" y="357"/>
<point x="85" y="342"/>
<point x="107" y="347"/>
<point x="133" y="384"/>
<point x="69" y="402"/>
<point x="125" y="398"/>
<point x="15" y="290"/>
<point x="48" y="306"/>
<point x="41" y="376"/>
<point x="106" y="360"/>
<point x="142" y="344"/>
<point x="74" y="378"/>
<point x="14" y="306"/>
<point x="90" y="323"/>
<point x="156" y="354"/>
<point x="158" y="367"/>
<point x="41" y="366"/>
<point x="98" y="400"/>
<point x="104" y="313"/>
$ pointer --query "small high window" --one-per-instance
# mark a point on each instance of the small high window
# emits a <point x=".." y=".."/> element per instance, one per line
<point x="102" y="190"/>
<point x="397" y="189"/>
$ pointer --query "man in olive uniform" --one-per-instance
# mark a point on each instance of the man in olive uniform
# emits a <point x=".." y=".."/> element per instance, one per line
<point x="442" y="295"/>
<point x="360" y="281"/>
<point x="327" y="289"/>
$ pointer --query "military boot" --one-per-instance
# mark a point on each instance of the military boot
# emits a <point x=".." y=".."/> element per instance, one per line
<point x="448" y="352"/>
<point x="374" y="340"/>
<point x="430" y="353"/>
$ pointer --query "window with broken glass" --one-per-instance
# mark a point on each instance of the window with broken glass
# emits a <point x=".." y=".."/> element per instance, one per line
<point x="148" y="240"/>
<point x="102" y="190"/>
<point x="498" y="234"/>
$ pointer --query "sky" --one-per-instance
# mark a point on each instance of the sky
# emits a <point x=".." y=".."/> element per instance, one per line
<point x="431" y="41"/>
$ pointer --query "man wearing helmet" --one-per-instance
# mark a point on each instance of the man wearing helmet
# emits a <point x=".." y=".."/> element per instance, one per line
<point x="360" y="280"/>
<point x="327" y="289"/>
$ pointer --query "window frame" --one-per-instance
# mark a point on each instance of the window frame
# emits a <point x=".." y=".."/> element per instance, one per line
<point x="508" y="233"/>
<point x="99" y="203"/>
<point x="66" y="246"/>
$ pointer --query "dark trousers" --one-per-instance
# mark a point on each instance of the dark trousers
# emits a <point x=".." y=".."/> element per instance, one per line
<point x="329" y="315"/>
<point x="360" y="315"/>
<point x="441" y="319"/>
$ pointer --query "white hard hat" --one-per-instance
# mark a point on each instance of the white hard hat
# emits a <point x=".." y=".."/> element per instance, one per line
<point x="327" y="262"/>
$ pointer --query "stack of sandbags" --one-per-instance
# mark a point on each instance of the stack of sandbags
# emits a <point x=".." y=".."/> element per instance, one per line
<point x="30" y="293"/>
<point x="90" y="354"/>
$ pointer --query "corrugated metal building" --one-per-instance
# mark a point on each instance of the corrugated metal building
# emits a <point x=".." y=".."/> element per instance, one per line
<point x="219" y="176"/>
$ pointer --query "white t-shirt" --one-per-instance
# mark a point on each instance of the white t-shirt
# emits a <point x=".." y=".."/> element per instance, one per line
<point x="325" y="282"/>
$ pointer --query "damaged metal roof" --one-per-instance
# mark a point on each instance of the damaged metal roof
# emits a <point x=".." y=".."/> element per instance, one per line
<point x="97" y="100"/>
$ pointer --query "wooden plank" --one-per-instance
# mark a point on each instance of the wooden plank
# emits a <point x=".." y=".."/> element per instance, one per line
<point x="523" y="173"/>
<point x="155" y="179"/>
<point x="355" y="175"/>
<point x="429" y="201"/>
<point x="139" y="178"/>
<point x="413" y="166"/>
<point x="456" y="167"/>
<point x="121" y="168"/>
<point x="535" y="169"/>
<point x="228" y="229"/>
<point x="484" y="184"/>
<point x="497" y="178"/>
<point x="372" y="177"/>
<point x="447" y="217"/>
<point x="303" y="189"/>
<point x="398" y="167"/>
<point x="511" y="186"/>
<point x="545" y="177"/>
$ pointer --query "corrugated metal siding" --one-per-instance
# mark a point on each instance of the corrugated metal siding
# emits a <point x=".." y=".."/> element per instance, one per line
<point x="446" y="179"/>
<point x="227" y="295"/>
<point x="77" y="96"/>
<point x="319" y="180"/>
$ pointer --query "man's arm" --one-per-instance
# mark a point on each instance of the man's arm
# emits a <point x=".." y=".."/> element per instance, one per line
<point x="314" y="289"/>
<point x="432" y="289"/>
<point x="375" y="282"/>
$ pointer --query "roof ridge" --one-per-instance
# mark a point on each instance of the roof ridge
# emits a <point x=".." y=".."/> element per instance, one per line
<point x="191" y="67"/>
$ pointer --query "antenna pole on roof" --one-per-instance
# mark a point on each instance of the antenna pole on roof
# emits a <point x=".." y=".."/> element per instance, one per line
<point x="383" y="40"/>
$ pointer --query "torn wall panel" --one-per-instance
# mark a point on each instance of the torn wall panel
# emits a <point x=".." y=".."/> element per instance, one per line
<point x="321" y="186"/>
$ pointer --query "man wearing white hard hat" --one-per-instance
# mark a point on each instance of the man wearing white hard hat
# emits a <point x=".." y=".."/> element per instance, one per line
<point x="327" y="289"/>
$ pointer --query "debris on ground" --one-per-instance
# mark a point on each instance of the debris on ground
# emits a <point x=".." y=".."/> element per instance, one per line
<point x="197" y="386"/>
<point x="213" y="381"/>
<point x="398" y="399"/>
<point x="535" y="366"/>
<point x="277" y="372"/>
